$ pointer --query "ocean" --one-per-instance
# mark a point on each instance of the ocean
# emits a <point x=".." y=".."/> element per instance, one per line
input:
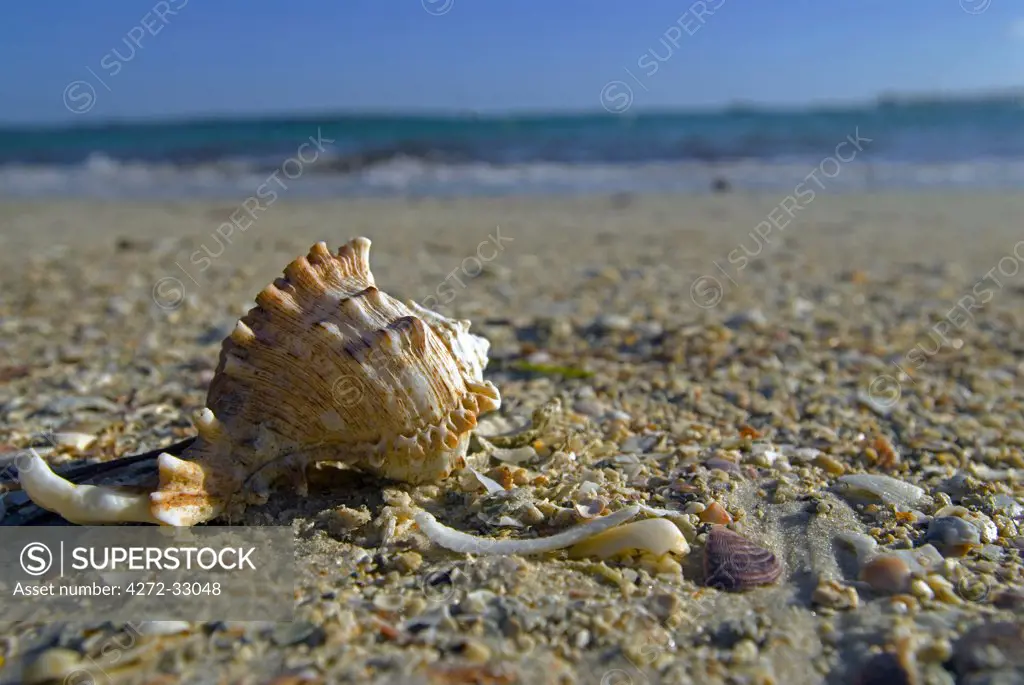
<point x="888" y="145"/>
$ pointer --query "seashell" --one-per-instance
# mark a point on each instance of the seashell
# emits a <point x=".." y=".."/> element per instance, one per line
<point x="877" y="488"/>
<point x="325" y="367"/>
<point x="733" y="563"/>
<point x="657" y="536"/>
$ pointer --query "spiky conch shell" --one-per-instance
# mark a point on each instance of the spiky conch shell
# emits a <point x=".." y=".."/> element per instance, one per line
<point x="327" y="367"/>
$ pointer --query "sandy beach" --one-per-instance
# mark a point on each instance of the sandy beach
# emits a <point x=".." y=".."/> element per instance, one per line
<point x="733" y="358"/>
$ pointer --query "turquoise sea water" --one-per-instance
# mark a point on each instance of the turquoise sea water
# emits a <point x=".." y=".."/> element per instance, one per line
<point x="961" y="144"/>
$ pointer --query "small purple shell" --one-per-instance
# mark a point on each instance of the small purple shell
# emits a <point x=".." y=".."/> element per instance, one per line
<point x="734" y="563"/>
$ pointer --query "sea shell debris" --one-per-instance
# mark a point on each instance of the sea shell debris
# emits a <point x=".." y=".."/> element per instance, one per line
<point x="734" y="563"/>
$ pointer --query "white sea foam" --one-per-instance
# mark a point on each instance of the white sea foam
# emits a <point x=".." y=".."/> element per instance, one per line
<point x="102" y="177"/>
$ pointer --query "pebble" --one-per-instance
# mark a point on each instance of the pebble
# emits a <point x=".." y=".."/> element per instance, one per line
<point x="886" y="573"/>
<point x="835" y="595"/>
<point x="475" y="651"/>
<point x="943" y="589"/>
<point x="715" y="513"/>
<point x="953" y="536"/>
<point x="613" y="322"/>
<point x="886" y="669"/>
<point x="408" y="562"/>
<point x="298" y="632"/>
<point x="987" y="531"/>
<point x="664" y="604"/>
<point x="745" y="652"/>
<point x="921" y="589"/>
<point x="751" y="317"/>
<point x="591" y="408"/>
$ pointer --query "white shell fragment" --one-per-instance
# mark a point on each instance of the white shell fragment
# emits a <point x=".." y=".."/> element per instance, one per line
<point x="325" y="367"/>
<point x="164" y="627"/>
<point x="457" y="541"/>
<point x="865" y="487"/>
<point x="81" y="503"/>
<point x="78" y="442"/>
<point x="486" y="482"/>
<point x="657" y="536"/>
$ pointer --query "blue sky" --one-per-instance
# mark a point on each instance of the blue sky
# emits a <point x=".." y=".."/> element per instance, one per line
<point x="260" y="56"/>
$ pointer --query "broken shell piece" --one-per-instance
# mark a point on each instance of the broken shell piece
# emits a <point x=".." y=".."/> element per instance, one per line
<point x="517" y="455"/>
<point x="734" y="563"/>
<point x="866" y="487"/>
<point x="457" y="541"/>
<point x="77" y="442"/>
<point x="81" y="503"/>
<point x="326" y="367"/>
<point x="656" y="536"/>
